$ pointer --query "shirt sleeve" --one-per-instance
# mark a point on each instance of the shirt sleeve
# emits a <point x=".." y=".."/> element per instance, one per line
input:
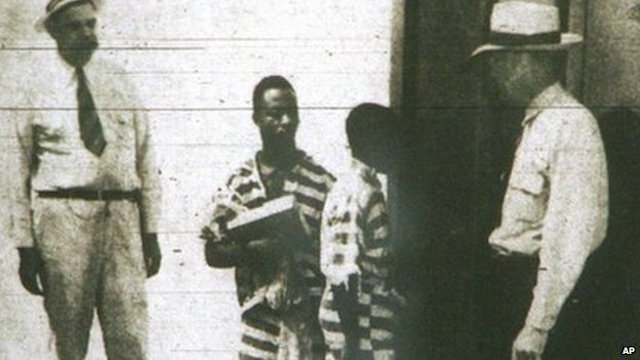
<point x="376" y="235"/>
<point x="576" y="218"/>
<point x="325" y="237"/>
<point x="227" y="203"/>
<point x="21" y="218"/>
<point x="148" y="172"/>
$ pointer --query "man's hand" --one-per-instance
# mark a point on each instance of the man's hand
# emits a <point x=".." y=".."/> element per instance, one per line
<point x="212" y="232"/>
<point x="529" y="345"/>
<point x="265" y="246"/>
<point x="151" y="253"/>
<point x="345" y="300"/>
<point x="30" y="269"/>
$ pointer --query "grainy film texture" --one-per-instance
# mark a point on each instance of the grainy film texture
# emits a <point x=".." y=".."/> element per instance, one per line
<point x="194" y="64"/>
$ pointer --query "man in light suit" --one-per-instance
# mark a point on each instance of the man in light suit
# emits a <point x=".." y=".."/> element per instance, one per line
<point x="88" y="200"/>
<point x="556" y="204"/>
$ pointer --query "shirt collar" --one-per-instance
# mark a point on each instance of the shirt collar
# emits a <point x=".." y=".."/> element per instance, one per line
<point x="266" y="170"/>
<point x="364" y="171"/>
<point x="69" y="72"/>
<point x="541" y="101"/>
<point x="359" y="166"/>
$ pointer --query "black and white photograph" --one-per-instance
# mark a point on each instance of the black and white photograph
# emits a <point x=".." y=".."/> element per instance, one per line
<point x="321" y="180"/>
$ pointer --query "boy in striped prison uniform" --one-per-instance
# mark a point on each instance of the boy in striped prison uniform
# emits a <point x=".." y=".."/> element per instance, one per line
<point x="359" y="308"/>
<point x="278" y="287"/>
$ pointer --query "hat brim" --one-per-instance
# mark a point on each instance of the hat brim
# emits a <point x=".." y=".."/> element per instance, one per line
<point x="40" y="23"/>
<point x="567" y="41"/>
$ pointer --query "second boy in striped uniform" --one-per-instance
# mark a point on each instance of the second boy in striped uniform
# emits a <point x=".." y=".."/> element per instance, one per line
<point x="359" y="307"/>
<point x="278" y="287"/>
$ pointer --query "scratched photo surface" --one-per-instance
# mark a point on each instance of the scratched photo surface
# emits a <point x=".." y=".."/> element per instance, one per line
<point x="194" y="64"/>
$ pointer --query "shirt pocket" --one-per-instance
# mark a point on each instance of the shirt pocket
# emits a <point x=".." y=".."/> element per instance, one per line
<point x="528" y="189"/>
<point x="529" y="181"/>
<point x="121" y="138"/>
<point x="123" y="128"/>
<point x="529" y="171"/>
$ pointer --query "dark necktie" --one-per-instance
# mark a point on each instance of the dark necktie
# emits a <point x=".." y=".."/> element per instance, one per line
<point x="90" y="127"/>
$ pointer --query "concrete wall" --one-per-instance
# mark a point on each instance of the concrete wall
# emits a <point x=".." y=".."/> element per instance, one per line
<point x="195" y="63"/>
<point x="611" y="57"/>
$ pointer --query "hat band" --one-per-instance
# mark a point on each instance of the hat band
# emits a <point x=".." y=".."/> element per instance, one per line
<point x="509" y="39"/>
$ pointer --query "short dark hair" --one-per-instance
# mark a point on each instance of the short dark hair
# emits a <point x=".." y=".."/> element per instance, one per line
<point x="371" y="124"/>
<point x="269" y="82"/>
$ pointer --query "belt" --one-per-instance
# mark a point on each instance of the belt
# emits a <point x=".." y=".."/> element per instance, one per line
<point x="91" y="195"/>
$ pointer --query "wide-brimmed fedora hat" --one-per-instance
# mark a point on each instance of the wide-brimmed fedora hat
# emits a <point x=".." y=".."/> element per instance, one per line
<point x="526" y="26"/>
<point x="55" y="6"/>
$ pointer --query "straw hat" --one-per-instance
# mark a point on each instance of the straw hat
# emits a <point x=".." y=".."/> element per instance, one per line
<point x="55" y="6"/>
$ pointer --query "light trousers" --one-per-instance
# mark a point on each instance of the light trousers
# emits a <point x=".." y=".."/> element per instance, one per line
<point x="92" y="256"/>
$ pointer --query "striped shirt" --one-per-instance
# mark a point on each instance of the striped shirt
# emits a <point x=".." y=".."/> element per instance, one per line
<point x="355" y="240"/>
<point x="268" y="323"/>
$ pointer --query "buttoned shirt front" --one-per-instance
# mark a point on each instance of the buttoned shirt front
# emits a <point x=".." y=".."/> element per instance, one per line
<point x="556" y="204"/>
<point x="355" y="229"/>
<point x="53" y="155"/>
